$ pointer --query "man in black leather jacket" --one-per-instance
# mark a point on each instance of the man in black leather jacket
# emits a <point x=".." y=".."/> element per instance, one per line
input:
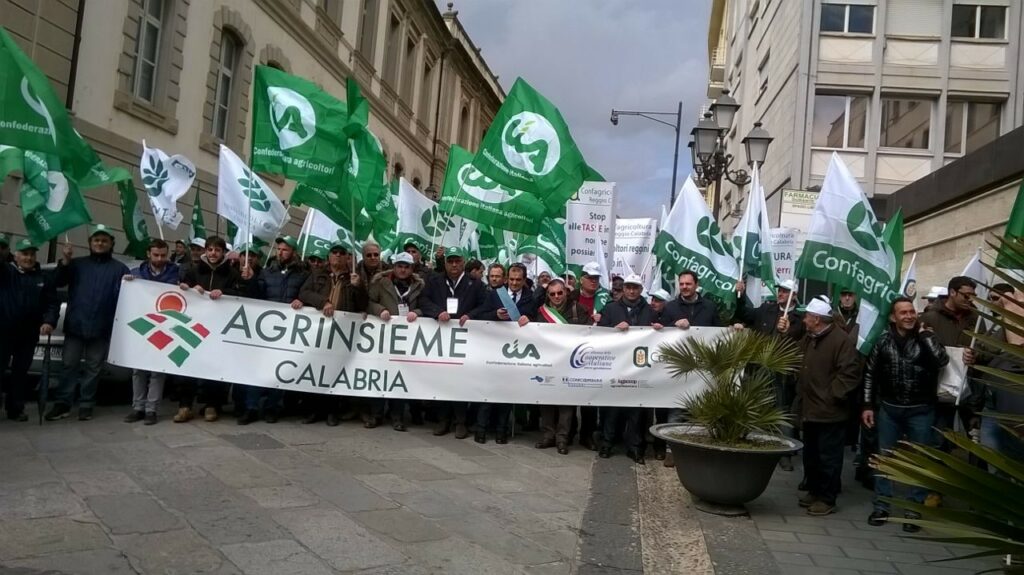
<point x="901" y="380"/>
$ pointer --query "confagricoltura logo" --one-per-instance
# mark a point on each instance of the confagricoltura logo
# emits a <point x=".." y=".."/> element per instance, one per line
<point x="169" y="328"/>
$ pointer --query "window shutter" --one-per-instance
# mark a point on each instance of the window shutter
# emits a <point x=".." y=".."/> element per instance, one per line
<point x="914" y="17"/>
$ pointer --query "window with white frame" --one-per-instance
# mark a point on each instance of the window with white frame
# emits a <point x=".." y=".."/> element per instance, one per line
<point x="905" y="123"/>
<point x="848" y="18"/>
<point x="971" y="125"/>
<point x="225" y="82"/>
<point x="147" y="50"/>
<point x="978" y="21"/>
<point x="840" y="121"/>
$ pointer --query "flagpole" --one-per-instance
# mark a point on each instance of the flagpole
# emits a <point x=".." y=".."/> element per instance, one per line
<point x="306" y="224"/>
<point x="159" y="228"/>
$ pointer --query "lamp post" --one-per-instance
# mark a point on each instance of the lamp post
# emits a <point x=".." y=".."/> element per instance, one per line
<point x="712" y="159"/>
<point x="677" y="127"/>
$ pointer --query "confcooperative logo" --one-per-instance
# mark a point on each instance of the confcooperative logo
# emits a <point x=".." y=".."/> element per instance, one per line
<point x="585" y="356"/>
<point x="170" y="328"/>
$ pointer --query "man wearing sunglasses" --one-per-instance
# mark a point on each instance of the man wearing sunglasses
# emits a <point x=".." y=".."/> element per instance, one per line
<point x="371" y="264"/>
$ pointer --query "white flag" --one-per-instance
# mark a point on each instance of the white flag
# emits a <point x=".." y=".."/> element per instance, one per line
<point x="908" y="287"/>
<point x="420" y="221"/>
<point x="978" y="273"/>
<point x="602" y="260"/>
<point x="166" y="179"/>
<point x="752" y="242"/>
<point x="246" y="201"/>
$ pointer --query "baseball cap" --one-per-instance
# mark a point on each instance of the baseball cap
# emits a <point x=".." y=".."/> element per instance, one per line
<point x="660" y="294"/>
<point x="201" y="242"/>
<point x="568" y="273"/>
<point x="452" y="252"/>
<point x="789" y="285"/>
<point x="24" y="244"/>
<point x="633" y="279"/>
<point x="401" y="258"/>
<point x="592" y="269"/>
<point x="339" y="245"/>
<point x="413" y="244"/>
<point x="289" y="241"/>
<point x="100" y="229"/>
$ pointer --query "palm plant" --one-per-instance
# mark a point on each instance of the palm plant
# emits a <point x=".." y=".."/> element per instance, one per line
<point x="738" y="369"/>
<point x="994" y="519"/>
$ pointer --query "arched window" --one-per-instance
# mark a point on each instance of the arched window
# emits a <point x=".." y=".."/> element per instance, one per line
<point x="229" y="48"/>
<point x="416" y="183"/>
<point x="399" y="170"/>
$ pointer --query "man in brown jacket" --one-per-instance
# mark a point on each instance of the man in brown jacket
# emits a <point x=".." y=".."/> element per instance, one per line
<point x="830" y="370"/>
<point x="395" y="294"/>
<point x="333" y="288"/>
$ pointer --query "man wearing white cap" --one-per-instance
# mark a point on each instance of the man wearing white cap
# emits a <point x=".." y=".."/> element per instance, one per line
<point x="830" y="371"/>
<point x="659" y="298"/>
<point x="631" y="310"/>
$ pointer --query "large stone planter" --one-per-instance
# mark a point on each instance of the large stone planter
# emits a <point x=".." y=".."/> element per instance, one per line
<point x="723" y="475"/>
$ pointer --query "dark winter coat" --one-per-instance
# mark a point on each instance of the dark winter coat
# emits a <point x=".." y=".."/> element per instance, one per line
<point x="616" y="312"/>
<point x="94" y="282"/>
<point x="470" y="293"/>
<point x="830" y="371"/>
<point x="765" y="317"/>
<point x="171" y="274"/>
<point x="383" y="295"/>
<point x="365" y="275"/>
<point x="573" y="313"/>
<point x="28" y="299"/>
<point x="949" y="328"/>
<point x="279" y="283"/>
<point x="527" y="303"/>
<point x="701" y="312"/>
<point x="903" y="372"/>
<point x="224" y="276"/>
<point x="317" y="289"/>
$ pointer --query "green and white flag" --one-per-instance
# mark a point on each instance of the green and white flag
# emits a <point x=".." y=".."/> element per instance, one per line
<point x="51" y="202"/>
<point x="244" y="198"/>
<point x="421" y="222"/>
<point x="1014" y="232"/>
<point x="319" y="233"/>
<point x="908" y="287"/>
<point x="474" y="196"/>
<point x="132" y="220"/>
<point x="167" y="179"/>
<point x="691" y="240"/>
<point x="548" y="245"/>
<point x="297" y="129"/>
<point x="198" y="228"/>
<point x="845" y="246"/>
<point x="752" y="241"/>
<point x="529" y="148"/>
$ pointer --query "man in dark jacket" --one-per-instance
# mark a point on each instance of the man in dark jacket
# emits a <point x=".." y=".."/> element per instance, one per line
<point x="556" y="420"/>
<point x="522" y="298"/>
<point x="212" y="274"/>
<point x="631" y="310"/>
<point x="5" y="249"/>
<point x="148" y="386"/>
<point x="418" y="266"/>
<point x="280" y="282"/>
<point x="180" y="254"/>
<point x="396" y="294"/>
<point x="690" y="309"/>
<point x="93" y="281"/>
<point x="28" y="308"/>
<point x="447" y="296"/>
<point x="847" y="311"/>
<point x="901" y="380"/>
<point x="830" y="371"/>
<point x="371" y="264"/>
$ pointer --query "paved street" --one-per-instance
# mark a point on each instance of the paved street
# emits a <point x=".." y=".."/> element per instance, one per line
<point x="109" y="497"/>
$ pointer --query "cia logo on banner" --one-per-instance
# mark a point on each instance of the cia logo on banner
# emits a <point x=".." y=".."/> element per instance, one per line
<point x="292" y="117"/>
<point x="512" y="351"/>
<point x="483" y="188"/>
<point x="530" y="143"/>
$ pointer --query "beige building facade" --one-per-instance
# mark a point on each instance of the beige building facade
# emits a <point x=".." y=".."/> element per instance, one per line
<point x="178" y="74"/>
<point x="898" y="88"/>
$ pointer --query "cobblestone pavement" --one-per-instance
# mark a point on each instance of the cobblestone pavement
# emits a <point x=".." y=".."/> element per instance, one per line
<point x="109" y="497"/>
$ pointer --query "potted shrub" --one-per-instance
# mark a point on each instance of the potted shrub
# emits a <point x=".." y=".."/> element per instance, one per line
<point x="727" y="451"/>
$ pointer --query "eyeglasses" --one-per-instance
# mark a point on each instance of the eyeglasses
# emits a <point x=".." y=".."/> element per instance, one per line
<point x="556" y="293"/>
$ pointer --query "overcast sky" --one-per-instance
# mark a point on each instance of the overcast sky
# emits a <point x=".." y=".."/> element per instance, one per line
<point x="589" y="57"/>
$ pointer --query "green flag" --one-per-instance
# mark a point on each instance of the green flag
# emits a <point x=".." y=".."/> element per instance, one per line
<point x="297" y="129"/>
<point x="474" y="196"/>
<point x="529" y="148"/>
<point x="364" y="178"/>
<point x="1014" y="231"/>
<point x="51" y="202"/>
<point x="892" y="235"/>
<point x="198" y="225"/>
<point x="846" y="246"/>
<point x="548" y="245"/>
<point x="133" y="221"/>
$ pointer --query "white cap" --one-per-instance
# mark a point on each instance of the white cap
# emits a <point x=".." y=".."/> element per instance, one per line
<point x="201" y="242"/>
<point x="661" y="294"/>
<point x="788" y="285"/>
<point x="592" y="269"/>
<point x="569" y="272"/>
<point x="633" y="279"/>
<point x="819" y="305"/>
<point x="401" y="258"/>
<point x="937" y="292"/>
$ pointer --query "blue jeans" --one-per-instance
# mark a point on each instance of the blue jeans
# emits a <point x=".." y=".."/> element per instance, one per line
<point x="893" y="423"/>
<point x="90" y="353"/>
<point x="994" y="436"/>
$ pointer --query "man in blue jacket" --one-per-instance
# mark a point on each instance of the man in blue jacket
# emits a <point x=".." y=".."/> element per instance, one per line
<point x="281" y="281"/>
<point x="94" y="282"/>
<point x="447" y="296"/>
<point x="28" y="308"/>
<point x="148" y="386"/>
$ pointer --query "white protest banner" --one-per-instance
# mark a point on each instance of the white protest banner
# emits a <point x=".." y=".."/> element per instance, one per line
<point x="162" y="328"/>
<point x="589" y="215"/>
<point x="634" y="241"/>
<point x="784" y="256"/>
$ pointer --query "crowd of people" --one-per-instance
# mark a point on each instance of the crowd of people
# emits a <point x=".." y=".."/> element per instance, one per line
<point x="837" y="398"/>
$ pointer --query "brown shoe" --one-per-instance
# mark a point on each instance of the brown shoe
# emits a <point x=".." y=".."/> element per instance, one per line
<point x="184" y="414"/>
<point x="806" y="500"/>
<point x="210" y="414"/>
<point x="821" y="509"/>
<point x="461" y="432"/>
<point x="670" y="461"/>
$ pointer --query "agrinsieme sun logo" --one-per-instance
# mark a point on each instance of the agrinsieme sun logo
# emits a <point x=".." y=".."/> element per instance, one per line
<point x="169" y="327"/>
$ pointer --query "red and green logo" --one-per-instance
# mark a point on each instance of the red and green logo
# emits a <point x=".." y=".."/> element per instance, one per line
<point x="170" y="328"/>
